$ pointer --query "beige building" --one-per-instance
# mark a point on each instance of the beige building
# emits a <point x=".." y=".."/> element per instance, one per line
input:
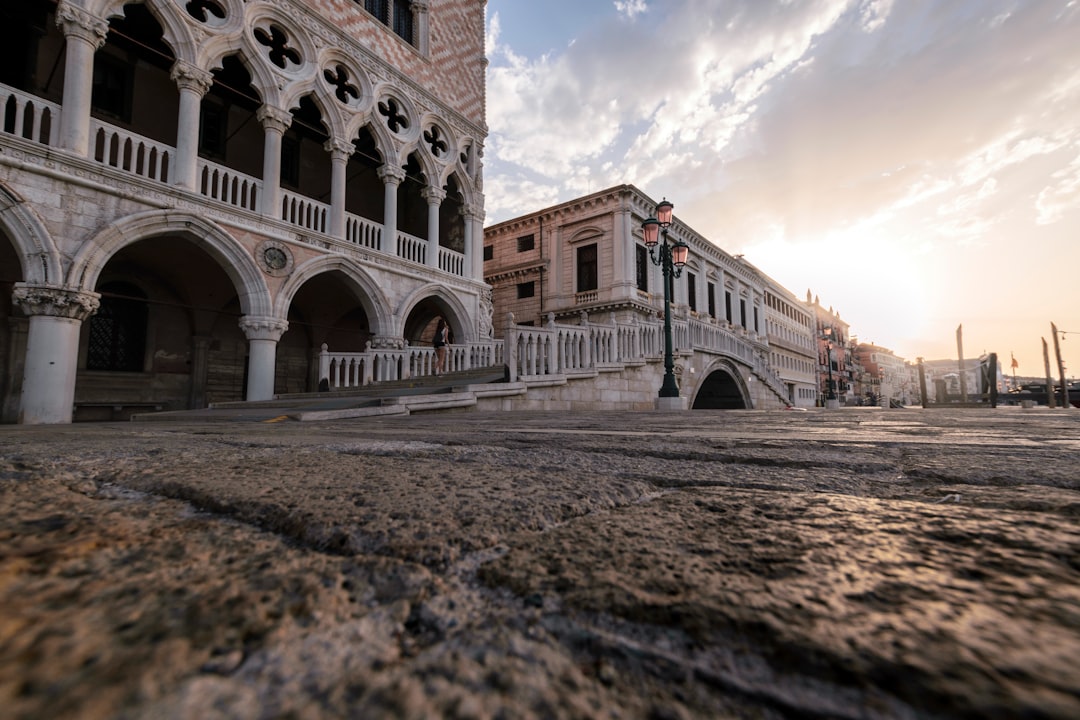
<point x="197" y="197"/>
<point x="585" y="262"/>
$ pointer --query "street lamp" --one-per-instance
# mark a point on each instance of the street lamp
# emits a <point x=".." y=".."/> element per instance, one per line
<point x="830" y="397"/>
<point x="670" y="257"/>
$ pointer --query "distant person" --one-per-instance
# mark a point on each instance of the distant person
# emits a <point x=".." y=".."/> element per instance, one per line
<point x="441" y="340"/>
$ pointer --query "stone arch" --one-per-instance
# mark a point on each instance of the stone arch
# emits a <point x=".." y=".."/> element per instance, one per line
<point x="234" y="259"/>
<point x="455" y="311"/>
<point x="40" y="260"/>
<point x="371" y="296"/>
<point x="721" y="388"/>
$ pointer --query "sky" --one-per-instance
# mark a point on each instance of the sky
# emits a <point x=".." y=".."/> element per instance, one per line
<point x="915" y="164"/>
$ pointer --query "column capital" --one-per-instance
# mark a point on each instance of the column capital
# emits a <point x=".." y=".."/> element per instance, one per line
<point x="391" y="174"/>
<point x="76" y="22"/>
<point x="191" y="77"/>
<point x="339" y="149"/>
<point x="386" y="342"/>
<point x="433" y="195"/>
<point x="263" y="328"/>
<point x="274" y="118"/>
<point x="55" y="301"/>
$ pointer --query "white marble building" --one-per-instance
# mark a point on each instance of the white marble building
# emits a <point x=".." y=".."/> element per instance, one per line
<point x="196" y="196"/>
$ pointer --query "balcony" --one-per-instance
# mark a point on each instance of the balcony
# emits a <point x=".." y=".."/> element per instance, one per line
<point x="34" y="119"/>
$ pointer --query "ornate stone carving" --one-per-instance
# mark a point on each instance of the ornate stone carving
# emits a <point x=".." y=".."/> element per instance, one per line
<point x="76" y="22"/>
<point x="487" y="314"/>
<point x="189" y="77"/>
<point x="386" y="342"/>
<point x="263" y="328"/>
<point x="56" y="301"/>
<point x="274" y="258"/>
<point x="272" y="117"/>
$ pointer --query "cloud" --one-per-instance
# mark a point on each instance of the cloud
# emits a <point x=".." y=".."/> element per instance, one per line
<point x="924" y="140"/>
<point x="631" y="8"/>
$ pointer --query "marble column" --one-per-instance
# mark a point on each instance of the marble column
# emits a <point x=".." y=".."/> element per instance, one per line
<point x="340" y="151"/>
<point x="52" y="349"/>
<point x="275" y="122"/>
<point x="434" y="197"/>
<point x="194" y="83"/>
<point x="84" y="33"/>
<point x="392" y="177"/>
<point x="263" y="334"/>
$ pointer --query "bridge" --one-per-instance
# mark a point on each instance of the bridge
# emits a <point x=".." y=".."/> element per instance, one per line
<point x="585" y="366"/>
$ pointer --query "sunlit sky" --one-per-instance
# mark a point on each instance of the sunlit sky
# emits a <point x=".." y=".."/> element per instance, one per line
<point x="913" y="163"/>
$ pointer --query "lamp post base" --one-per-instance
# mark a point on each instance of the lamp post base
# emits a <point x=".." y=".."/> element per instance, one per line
<point x="833" y="404"/>
<point x="671" y="403"/>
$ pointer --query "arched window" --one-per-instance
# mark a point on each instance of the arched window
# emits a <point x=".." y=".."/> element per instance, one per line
<point x="118" y="330"/>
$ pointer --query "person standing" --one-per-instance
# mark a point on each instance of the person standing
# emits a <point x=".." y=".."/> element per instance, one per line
<point x="440" y="342"/>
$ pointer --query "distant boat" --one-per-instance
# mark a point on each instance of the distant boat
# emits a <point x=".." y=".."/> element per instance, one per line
<point x="1036" y="392"/>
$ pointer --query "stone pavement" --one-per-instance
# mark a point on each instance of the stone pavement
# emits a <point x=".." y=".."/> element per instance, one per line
<point x="823" y="564"/>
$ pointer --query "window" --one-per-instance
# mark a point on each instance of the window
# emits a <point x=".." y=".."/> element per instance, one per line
<point x="587" y="266"/>
<point x="111" y="94"/>
<point x="290" y="162"/>
<point x="712" y="299"/>
<point x="526" y="290"/>
<point x="117" y="333"/>
<point x="757" y="327"/>
<point x="526" y="243"/>
<point x="213" y="129"/>
<point x="691" y="290"/>
<point x="489" y="252"/>
<point x="397" y="14"/>
<point x="403" y="20"/>
<point x="642" y="256"/>
<point x="742" y="312"/>
<point x="378" y="8"/>
<point x="727" y="305"/>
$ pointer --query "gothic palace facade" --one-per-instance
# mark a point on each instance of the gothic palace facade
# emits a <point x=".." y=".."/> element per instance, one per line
<point x="196" y="196"/>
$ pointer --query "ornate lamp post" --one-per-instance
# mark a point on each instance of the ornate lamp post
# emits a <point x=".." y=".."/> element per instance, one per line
<point x="830" y="397"/>
<point x="670" y="257"/>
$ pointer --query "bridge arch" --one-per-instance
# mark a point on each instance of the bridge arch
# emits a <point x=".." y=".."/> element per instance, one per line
<point x="722" y="388"/>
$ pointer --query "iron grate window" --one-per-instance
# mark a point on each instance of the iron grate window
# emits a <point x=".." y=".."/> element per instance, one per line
<point x="117" y="333"/>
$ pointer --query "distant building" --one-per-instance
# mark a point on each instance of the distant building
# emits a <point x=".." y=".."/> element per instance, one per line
<point x="587" y="255"/>
<point x="585" y="262"/>
<point x="834" y="365"/>
<point x="887" y="377"/>
<point x="790" y="330"/>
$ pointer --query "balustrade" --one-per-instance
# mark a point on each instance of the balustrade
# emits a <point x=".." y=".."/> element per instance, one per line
<point x="29" y="117"/>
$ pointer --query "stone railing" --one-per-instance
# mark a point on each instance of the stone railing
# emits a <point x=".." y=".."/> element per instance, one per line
<point x="32" y="118"/>
<point x="127" y="151"/>
<point x="29" y="117"/>
<point x="345" y="370"/>
<point x="567" y="349"/>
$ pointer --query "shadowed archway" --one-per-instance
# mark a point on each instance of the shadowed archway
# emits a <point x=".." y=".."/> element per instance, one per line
<point x="720" y="391"/>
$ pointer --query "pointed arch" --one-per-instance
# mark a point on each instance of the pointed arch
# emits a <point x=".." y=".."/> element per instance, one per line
<point x="234" y="259"/>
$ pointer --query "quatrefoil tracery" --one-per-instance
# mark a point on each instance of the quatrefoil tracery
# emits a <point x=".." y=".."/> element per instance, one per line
<point x="433" y="138"/>
<point x="394" y="119"/>
<point x="339" y="79"/>
<point x="277" y="42"/>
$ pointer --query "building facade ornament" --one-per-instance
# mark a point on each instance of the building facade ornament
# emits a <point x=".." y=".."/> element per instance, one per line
<point x="263" y="328"/>
<point x="189" y="77"/>
<point x="76" y="22"/>
<point x="274" y="118"/>
<point x="54" y="301"/>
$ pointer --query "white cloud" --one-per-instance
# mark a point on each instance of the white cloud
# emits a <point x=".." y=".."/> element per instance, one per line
<point x="631" y="8"/>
